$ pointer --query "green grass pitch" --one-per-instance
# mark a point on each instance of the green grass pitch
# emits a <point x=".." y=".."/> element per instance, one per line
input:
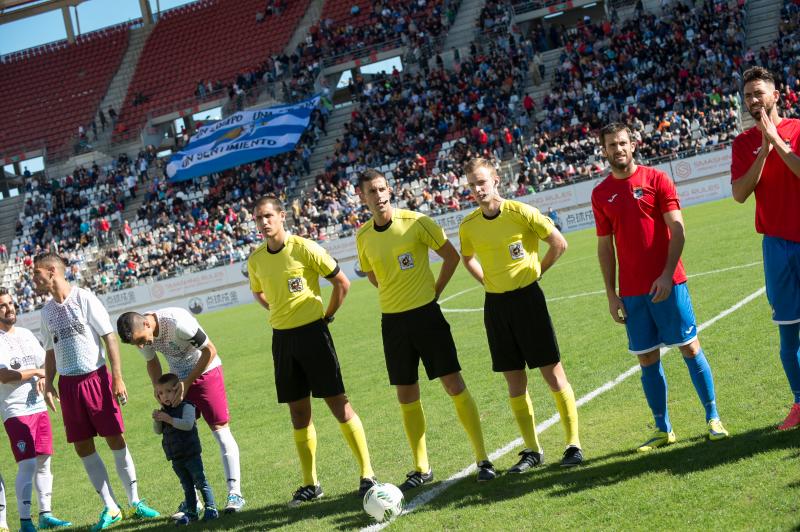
<point x="749" y="481"/>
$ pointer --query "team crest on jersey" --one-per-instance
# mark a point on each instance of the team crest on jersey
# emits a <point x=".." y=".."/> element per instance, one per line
<point x="638" y="192"/>
<point x="21" y="446"/>
<point x="516" y="250"/>
<point x="296" y="284"/>
<point x="15" y="363"/>
<point x="406" y="261"/>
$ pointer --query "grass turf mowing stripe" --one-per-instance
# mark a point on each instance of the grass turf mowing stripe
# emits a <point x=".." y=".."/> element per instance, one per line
<point x="438" y="489"/>
<point x="593" y="293"/>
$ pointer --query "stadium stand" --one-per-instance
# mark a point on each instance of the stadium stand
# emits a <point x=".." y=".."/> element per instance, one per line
<point x="188" y="56"/>
<point x="675" y="77"/>
<point x="347" y="26"/>
<point x="52" y="90"/>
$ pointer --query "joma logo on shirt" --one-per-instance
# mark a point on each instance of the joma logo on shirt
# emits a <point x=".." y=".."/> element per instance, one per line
<point x="296" y="284"/>
<point x="516" y="250"/>
<point x="406" y="261"/>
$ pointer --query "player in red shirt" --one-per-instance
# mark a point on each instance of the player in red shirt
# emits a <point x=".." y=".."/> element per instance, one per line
<point x="637" y="209"/>
<point x="766" y="160"/>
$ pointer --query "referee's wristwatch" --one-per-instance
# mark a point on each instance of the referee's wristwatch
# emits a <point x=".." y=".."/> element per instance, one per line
<point x="329" y="319"/>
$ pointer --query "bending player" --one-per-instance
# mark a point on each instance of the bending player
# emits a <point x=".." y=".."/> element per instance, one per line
<point x="192" y="356"/>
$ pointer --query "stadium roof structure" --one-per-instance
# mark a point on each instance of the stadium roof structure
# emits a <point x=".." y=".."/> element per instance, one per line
<point x="11" y="10"/>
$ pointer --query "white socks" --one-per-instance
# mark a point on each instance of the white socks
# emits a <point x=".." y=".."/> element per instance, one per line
<point x="24" y="486"/>
<point x="229" y="451"/>
<point x="3" y="522"/>
<point x="43" y="481"/>
<point x="99" y="477"/>
<point x="127" y="473"/>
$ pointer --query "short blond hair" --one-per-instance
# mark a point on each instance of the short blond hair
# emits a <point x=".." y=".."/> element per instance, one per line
<point x="479" y="162"/>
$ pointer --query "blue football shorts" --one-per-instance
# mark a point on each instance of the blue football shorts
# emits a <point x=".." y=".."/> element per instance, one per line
<point x="654" y="325"/>
<point x="782" y="275"/>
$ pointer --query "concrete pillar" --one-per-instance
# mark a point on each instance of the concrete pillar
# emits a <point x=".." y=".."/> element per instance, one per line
<point x="147" y="14"/>
<point x="68" y="24"/>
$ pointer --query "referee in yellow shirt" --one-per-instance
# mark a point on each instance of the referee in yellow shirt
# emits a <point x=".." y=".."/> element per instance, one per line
<point x="504" y="235"/>
<point x="284" y="276"/>
<point x="393" y="252"/>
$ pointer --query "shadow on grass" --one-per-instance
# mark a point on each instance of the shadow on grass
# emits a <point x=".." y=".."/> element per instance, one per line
<point x="690" y="455"/>
<point x="346" y="509"/>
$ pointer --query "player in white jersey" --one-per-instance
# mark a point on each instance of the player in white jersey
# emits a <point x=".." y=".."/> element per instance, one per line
<point x="73" y="322"/>
<point x="192" y="356"/>
<point x="25" y="417"/>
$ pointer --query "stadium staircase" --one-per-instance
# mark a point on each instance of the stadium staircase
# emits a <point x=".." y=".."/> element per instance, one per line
<point x="115" y="96"/>
<point x="463" y="30"/>
<point x="9" y="212"/>
<point x="52" y="89"/>
<point x="763" y="18"/>
<point x="336" y="121"/>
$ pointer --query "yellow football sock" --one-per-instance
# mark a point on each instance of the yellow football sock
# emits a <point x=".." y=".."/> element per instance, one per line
<point x="522" y="408"/>
<point x="565" y="403"/>
<point x="414" y="425"/>
<point x="353" y="432"/>
<point x="306" y="442"/>
<point x="467" y="412"/>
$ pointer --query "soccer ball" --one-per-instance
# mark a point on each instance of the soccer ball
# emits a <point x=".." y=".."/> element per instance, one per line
<point x="384" y="502"/>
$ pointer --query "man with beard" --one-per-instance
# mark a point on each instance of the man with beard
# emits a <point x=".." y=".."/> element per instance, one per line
<point x="637" y="210"/>
<point x="766" y="160"/>
<point x="25" y="418"/>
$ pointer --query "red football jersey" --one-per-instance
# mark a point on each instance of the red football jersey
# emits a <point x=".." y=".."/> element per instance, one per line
<point x="778" y="190"/>
<point x="633" y="210"/>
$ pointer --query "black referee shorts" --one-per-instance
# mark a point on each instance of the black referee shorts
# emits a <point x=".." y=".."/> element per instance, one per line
<point x="519" y="329"/>
<point x="305" y="363"/>
<point x="420" y="333"/>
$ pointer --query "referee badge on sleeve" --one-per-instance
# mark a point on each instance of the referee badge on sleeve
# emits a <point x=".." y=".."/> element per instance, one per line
<point x="516" y="250"/>
<point x="406" y="261"/>
<point x="295" y="284"/>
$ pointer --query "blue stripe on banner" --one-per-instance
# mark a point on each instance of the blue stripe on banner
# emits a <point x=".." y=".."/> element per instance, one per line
<point x="264" y="134"/>
<point x="217" y="129"/>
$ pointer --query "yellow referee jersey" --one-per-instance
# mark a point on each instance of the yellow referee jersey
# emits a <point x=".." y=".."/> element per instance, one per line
<point x="289" y="279"/>
<point x="398" y="255"/>
<point x="507" y="246"/>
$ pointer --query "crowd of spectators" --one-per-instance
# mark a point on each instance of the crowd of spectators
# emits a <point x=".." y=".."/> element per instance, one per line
<point x="412" y="23"/>
<point x="673" y="77"/>
<point x="74" y="215"/>
<point x="783" y="57"/>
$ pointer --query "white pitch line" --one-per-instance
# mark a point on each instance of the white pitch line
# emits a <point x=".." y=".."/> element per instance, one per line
<point x="427" y="496"/>
<point x="448" y="298"/>
<point x="584" y="294"/>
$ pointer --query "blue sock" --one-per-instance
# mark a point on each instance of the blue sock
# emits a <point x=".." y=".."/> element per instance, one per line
<point x="790" y="344"/>
<point x="703" y="381"/>
<point x="654" y="384"/>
